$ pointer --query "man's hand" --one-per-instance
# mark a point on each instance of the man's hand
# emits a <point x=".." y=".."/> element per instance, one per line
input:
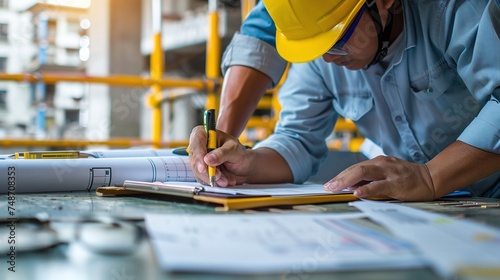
<point x="231" y="158"/>
<point x="386" y="177"/>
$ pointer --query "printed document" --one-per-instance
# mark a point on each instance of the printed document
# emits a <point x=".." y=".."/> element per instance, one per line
<point x="274" y="243"/>
<point x="453" y="246"/>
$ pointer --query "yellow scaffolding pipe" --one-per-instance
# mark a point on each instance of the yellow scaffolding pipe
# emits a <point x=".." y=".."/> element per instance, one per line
<point x="156" y="82"/>
<point x="212" y="67"/>
<point x="115" y="143"/>
<point x="246" y="7"/>
<point x="156" y="72"/>
<point x="113" y="80"/>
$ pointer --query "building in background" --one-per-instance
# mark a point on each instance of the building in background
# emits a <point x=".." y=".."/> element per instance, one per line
<point x="50" y="38"/>
<point x="15" y="50"/>
<point x="109" y="37"/>
<point x="184" y="37"/>
<point x="62" y="47"/>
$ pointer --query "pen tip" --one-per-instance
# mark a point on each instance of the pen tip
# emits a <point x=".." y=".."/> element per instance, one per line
<point x="212" y="181"/>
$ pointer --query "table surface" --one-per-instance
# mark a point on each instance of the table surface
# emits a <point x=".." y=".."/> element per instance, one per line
<point x="70" y="261"/>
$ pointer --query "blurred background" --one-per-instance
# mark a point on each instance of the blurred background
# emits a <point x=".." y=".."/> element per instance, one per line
<point x="118" y="73"/>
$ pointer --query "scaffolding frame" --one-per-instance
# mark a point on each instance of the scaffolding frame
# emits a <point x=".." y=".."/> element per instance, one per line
<point x="156" y="82"/>
<point x="211" y="84"/>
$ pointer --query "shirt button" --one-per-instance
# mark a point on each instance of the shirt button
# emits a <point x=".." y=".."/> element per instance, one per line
<point x="429" y="90"/>
<point x="398" y="118"/>
<point x="417" y="156"/>
<point x="388" y="78"/>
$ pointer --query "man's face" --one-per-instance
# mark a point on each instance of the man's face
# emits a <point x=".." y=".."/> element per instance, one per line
<point x="361" y="47"/>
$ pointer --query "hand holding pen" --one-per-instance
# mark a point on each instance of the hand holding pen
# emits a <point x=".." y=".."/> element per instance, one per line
<point x="232" y="160"/>
<point x="209" y="123"/>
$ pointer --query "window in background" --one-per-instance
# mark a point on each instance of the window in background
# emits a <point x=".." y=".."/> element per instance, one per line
<point x="3" y="64"/>
<point x="3" y="99"/>
<point x="73" y="57"/>
<point x="72" y="116"/>
<point x="50" y="92"/>
<point x="4" y="4"/>
<point x="4" y="32"/>
<point x="51" y="31"/>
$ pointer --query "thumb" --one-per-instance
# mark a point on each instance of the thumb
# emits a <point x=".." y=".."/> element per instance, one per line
<point x="211" y="159"/>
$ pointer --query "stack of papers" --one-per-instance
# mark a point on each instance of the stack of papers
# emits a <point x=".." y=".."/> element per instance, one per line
<point x="295" y="244"/>
<point x="452" y="246"/>
<point x="274" y="243"/>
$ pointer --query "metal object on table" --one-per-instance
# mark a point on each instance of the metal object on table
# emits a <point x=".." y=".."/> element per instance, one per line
<point x="98" y="234"/>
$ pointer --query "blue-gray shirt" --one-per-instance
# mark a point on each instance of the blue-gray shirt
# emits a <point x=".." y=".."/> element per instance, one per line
<point x="442" y="84"/>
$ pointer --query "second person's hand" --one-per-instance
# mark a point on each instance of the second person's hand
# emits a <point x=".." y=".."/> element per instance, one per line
<point x="231" y="158"/>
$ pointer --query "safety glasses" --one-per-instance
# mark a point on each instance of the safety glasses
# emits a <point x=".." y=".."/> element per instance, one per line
<point x="337" y="49"/>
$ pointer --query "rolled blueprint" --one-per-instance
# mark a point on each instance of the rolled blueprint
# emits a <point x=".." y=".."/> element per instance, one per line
<point x="87" y="174"/>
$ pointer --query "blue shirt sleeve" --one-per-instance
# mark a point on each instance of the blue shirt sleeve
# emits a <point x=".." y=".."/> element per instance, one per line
<point x="259" y="24"/>
<point x="255" y="46"/>
<point x="476" y="57"/>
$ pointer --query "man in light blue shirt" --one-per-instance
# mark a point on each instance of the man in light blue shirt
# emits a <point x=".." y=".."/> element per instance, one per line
<point x="425" y="87"/>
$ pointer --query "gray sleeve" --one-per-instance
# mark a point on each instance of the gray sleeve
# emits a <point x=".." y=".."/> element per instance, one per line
<point x="254" y="53"/>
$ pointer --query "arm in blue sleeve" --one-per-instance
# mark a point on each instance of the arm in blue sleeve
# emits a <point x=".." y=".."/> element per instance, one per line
<point x="473" y="47"/>
<point x="255" y="46"/>
<point x="259" y="24"/>
<point x="484" y="131"/>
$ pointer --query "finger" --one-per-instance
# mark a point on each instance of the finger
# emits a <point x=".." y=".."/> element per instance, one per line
<point x="220" y="178"/>
<point x="230" y="151"/>
<point x="197" y="150"/>
<point x="224" y="177"/>
<point x="198" y="140"/>
<point x="355" y="175"/>
<point x="222" y="182"/>
<point x="375" y="189"/>
<point x="231" y="181"/>
<point x="357" y="185"/>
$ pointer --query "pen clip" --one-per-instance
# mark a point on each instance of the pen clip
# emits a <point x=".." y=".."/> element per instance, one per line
<point x="209" y="120"/>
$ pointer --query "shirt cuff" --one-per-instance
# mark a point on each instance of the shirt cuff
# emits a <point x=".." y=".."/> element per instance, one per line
<point x="254" y="53"/>
<point x="301" y="165"/>
<point x="484" y="131"/>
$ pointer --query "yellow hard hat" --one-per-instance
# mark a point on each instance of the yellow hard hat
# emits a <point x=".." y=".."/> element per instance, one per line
<point x="307" y="29"/>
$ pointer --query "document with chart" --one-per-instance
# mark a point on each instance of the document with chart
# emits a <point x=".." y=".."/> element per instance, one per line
<point x="453" y="246"/>
<point x="274" y="243"/>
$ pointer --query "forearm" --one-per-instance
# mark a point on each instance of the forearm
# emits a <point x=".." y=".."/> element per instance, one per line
<point x="460" y="165"/>
<point x="268" y="166"/>
<point x="242" y="89"/>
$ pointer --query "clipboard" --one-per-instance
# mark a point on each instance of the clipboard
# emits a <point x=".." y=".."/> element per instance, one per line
<point x="241" y="203"/>
<point x="226" y="201"/>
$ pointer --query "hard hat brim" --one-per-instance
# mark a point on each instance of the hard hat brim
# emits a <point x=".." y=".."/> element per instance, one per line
<point x="305" y="50"/>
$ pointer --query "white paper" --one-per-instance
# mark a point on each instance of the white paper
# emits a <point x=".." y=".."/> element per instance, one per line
<point x="273" y="243"/>
<point x="266" y="189"/>
<point x="450" y="244"/>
